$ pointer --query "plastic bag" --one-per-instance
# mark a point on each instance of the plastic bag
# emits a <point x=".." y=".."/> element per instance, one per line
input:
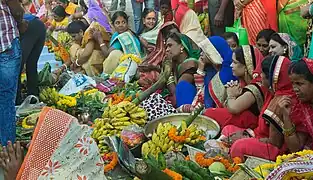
<point x="132" y="135"/>
<point x="27" y="108"/>
<point x="77" y="83"/>
<point x="240" y="31"/>
<point x="126" y="70"/>
<point x="45" y="78"/>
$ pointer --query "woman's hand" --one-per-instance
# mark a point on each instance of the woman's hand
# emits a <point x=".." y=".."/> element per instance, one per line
<point x="97" y="36"/>
<point x="219" y="19"/>
<point x="233" y="89"/>
<point x="284" y="104"/>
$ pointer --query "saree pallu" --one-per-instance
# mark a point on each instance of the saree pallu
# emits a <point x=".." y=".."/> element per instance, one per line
<point x="246" y="119"/>
<point x="127" y="43"/>
<point x="61" y="148"/>
<point x="255" y="19"/>
<point x="289" y="16"/>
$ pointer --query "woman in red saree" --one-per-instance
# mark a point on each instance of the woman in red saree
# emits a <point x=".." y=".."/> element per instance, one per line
<point x="256" y="15"/>
<point x="262" y="142"/>
<point x="245" y="99"/>
<point x="289" y="109"/>
<point x="150" y="68"/>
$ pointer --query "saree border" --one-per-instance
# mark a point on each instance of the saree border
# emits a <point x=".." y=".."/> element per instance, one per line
<point x="276" y="72"/>
<point x="210" y="51"/>
<point x="217" y="91"/>
<point x="248" y="58"/>
<point x="257" y="93"/>
<point x="133" y="43"/>
<point x="272" y="118"/>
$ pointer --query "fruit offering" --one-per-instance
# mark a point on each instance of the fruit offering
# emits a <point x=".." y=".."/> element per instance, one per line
<point x="132" y="135"/>
<point x="168" y="138"/>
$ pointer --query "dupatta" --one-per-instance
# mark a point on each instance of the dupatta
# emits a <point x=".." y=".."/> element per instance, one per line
<point x="152" y="35"/>
<point x="294" y="51"/>
<point x="216" y="87"/>
<point x="61" y="148"/>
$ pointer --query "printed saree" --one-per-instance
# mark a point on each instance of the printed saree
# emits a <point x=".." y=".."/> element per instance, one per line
<point x="61" y="148"/>
<point x="289" y="16"/>
<point x="126" y="42"/>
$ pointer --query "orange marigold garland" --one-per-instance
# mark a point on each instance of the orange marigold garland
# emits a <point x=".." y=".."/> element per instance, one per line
<point x="114" y="159"/>
<point x="206" y="162"/>
<point x="172" y="134"/>
<point x="174" y="175"/>
<point x="119" y="98"/>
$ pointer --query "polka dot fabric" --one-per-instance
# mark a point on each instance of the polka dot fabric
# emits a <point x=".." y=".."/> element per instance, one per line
<point x="51" y="128"/>
<point x="157" y="107"/>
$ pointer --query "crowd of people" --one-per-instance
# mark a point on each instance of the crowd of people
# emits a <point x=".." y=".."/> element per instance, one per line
<point x="261" y="93"/>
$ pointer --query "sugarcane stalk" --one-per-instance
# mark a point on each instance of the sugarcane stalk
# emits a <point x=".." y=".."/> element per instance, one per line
<point x="194" y="114"/>
<point x="145" y="171"/>
<point x="167" y="68"/>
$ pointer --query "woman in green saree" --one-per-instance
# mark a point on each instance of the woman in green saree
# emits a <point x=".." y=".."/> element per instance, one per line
<point x="289" y="16"/>
<point x="184" y="54"/>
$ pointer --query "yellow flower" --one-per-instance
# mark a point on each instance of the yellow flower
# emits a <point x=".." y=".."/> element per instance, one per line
<point x="132" y="57"/>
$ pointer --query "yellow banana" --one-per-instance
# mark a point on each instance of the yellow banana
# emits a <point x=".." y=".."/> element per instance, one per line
<point x="120" y="115"/>
<point x="139" y="122"/>
<point x="124" y="118"/>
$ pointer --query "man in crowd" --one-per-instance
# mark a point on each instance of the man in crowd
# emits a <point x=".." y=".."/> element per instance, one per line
<point x="11" y="21"/>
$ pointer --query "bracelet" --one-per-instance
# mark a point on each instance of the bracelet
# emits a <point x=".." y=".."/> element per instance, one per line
<point x="77" y="63"/>
<point x="200" y="72"/>
<point x="290" y="131"/>
<point x="64" y="65"/>
<point x="102" y="44"/>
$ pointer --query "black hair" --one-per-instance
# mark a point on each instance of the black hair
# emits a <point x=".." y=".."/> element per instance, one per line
<point x="231" y="35"/>
<point x="175" y="37"/>
<point x="118" y="14"/>
<point x="59" y="11"/>
<point x="165" y="2"/>
<point x="76" y="27"/>
<point x="300" y="68"/>
<point x="83" y="5"/>
<point x="276" y="37"/>
<point x="146" y="11"/>
<point x="266" y="34"/>
<point x="266" y="65"/>
<point x="166" y="31"/>
<point x="240" y="55"/>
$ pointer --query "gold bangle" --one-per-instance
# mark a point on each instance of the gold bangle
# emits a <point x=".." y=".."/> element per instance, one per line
<point x="290" y="131"/>
<point x="103" y="44"/>
<point x="77" y="63"/>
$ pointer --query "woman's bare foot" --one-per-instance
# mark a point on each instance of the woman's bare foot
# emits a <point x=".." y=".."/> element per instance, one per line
<point x="11" y="159"/>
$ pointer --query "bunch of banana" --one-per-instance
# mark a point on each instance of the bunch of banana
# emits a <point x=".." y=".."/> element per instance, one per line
<point x="49" y="96"/>
<point x="126" y="113"/>
<point x="160" y="142"/>
<point x="204" y="22"/>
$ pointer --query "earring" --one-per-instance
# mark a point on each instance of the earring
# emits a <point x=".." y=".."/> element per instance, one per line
<point x="181" y="50"/>
<point x="285" y="50"/>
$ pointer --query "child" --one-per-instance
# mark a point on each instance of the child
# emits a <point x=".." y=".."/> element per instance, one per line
<point x="60" y="21"/>
<point x="232" y="40"/>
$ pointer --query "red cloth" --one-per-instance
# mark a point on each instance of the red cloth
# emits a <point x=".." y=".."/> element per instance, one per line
<point x="148" y="76"/>
<point x="259" y="15"/>
<point x="246" y="119"/>
<point x="180" y="9"/>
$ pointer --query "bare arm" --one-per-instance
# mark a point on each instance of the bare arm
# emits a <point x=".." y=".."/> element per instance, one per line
<point x="275" y="137"/>
<point x="223" y="6"/>
<point x="86" y="53"/>
<point x="187" y="77"/>
<point x="295" y="141"/>
<point x="240" y="104"/>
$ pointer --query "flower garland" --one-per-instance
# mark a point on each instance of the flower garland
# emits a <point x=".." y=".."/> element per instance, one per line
<point x="206" y="162"/>
<point x="172" y="134"/>
<point x="116" y="99"/>
<point x="114" y="158"/>
<point x="132" y="57"/>
<point x="174" y="175"/>
<point x="25" y="125"/>
<point x="265" y="169"/>
<point x="66" y="101"/>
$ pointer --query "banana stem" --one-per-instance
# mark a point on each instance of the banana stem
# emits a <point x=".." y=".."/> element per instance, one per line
<point x="194" y="114"/>
<point x="159" y="84"/>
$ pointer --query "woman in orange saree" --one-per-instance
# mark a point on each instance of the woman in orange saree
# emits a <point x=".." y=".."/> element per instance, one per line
<point x="256" y="15"/>
<point x="244" y="99"/>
